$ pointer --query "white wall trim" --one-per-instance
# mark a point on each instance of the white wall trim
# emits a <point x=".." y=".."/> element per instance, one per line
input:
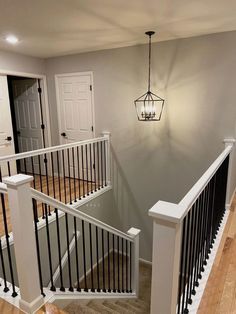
<point x="56" y="77"/>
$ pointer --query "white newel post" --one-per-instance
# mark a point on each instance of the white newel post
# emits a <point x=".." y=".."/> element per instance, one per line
<point x="107" y="135"/>
<point x="229" y="142"/>
<point x="165" y="258"/>
<point x="21" y="210"/>
<point x="134" y="233"/>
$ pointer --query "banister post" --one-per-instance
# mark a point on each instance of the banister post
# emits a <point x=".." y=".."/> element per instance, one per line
<point x="134" y="233"/>
<point x="165" y="258"/>
<point x="21" y="211"/>
<point x="229" y="142"/>
<point x="107" y="135"/>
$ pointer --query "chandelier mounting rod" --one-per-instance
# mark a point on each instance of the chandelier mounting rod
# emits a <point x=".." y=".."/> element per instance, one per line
<point x="149" y="33"/>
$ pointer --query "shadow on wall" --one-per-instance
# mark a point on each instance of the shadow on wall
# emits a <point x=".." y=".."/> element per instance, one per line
<point x="129" y="211"/>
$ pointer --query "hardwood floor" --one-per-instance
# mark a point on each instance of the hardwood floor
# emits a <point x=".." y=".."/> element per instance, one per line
<point x="74" y="186"/>
<point x="7" y="308"/>
<point x="220" y="293"/>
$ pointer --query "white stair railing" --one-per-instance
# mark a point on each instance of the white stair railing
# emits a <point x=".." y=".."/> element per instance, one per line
<point x="103" y="263"/>
<point x="184" y="235"/>
<point x="73" y="173"/>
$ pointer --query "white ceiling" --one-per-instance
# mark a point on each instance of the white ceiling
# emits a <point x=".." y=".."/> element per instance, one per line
<point x="49" y="28"/>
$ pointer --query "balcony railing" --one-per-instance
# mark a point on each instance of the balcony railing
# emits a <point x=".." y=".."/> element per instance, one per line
<point x="184" y="235"/>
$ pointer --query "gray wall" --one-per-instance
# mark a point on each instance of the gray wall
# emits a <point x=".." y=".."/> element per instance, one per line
<point x="19" y="63"/>
<point x="159" y="160"/>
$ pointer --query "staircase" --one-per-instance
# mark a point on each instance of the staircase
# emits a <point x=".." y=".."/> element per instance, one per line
<point x="122" y="305"/>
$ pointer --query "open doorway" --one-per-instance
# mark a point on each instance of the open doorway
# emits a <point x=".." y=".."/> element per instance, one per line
<point x="26" y="113"/>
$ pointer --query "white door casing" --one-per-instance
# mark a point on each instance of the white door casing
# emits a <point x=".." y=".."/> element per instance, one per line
<point x="6" y="146"/>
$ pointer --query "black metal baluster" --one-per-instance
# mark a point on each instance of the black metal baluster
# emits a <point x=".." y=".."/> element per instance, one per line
<point x="114" y="263"/>
<point x="122" y="265"/>
<point x="73" y="162"/>
<point x="126" y="265"/>
<point x="103" y="263"/>
<point x="47" y="181"/>
<point x="108" y="256"/>
<point x="64" y="175"/>
<point x="6" y="289"/>
<point x="91" y="256"/>
<point x="41" y="184"/>
<point x="82" y="156"/>
<point x="185" y="309"/>
<point x="68" y="161"/>
<point x="71" y="289"/>
<point x="118" y="263"/>
<point x="196" y="284"/>
<point x="97" y="255"/>
<point x="53" y="177"/>
<point x="102" y="165"/>
<point x="49" y="250"/>
<point x="130" y="267"/>
<point x="98" y="161"/>
<point x="87" y="176"/>
<point x="94" y="167"/>
<point x="105" y="163"/>
<point x="33" y="172"/>
<point x="77" y="256"/>
<point x="181" y="265"/>
<point x="78" y="158"/>
<point x="25" y="171"/>
<point x="14" y="294"/>
<point x="84" y="257"/>
<point x="193" y="291"/>
<point x="59" y="250"/>
<point x="91" y="168"/>
<point x="37" y="246"/>
<point x="9" y="168"/>
<point x="190" y="247"/>
<point x="59" y="175"/>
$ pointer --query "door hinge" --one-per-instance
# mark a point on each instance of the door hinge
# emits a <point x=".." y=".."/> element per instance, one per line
<point x="91" y="88"/>
<point x="92" y="128"/>
<point x="42" y="126"/>
<point x="39" y="90"/>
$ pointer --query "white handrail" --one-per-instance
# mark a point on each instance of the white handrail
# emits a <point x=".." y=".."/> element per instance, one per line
<point x="190" y="198"/>
<point x="50" y="149"/>
<point x="176" y="212"/>
<point x="68" y="209"/>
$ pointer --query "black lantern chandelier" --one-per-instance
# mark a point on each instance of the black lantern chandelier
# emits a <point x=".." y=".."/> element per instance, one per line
<point x="149" y="106"/>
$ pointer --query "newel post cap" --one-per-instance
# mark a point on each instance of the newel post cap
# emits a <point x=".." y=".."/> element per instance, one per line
<point x="17" y="180"/>
<point x="106" y="133"/>
<point x="134" y="232"/>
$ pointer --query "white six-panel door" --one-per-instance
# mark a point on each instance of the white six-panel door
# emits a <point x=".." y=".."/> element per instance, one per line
<point x="28" y="117"/>
<point x="6" y="144"/>
<point x="75" y="107"/>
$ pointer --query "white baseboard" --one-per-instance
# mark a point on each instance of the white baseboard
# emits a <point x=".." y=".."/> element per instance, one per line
<point x="227" y="206"/>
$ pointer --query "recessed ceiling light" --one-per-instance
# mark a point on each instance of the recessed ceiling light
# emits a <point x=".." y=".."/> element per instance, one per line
<point x="12" y="39"/>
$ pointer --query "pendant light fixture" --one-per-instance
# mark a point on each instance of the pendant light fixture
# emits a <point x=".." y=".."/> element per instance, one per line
<point x="149" y="106"/>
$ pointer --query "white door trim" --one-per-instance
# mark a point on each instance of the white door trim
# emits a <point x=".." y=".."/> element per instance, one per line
<point x="45" y="103"/>
<point x="57" y="76"/>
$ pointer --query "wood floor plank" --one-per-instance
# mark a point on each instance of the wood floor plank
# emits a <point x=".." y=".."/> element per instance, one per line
<point x="220" y="293"/>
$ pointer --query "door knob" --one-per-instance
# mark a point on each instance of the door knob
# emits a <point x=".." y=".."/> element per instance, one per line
<point x="63" y="134"/>
<point x="18" y="132"/>
<point x="9" y="138"/>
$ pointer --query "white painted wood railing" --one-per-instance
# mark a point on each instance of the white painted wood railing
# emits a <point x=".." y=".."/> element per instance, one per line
<point x="71" y="172"/>
<point x="184" y="235"/>
<point x="119" y="248"/>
